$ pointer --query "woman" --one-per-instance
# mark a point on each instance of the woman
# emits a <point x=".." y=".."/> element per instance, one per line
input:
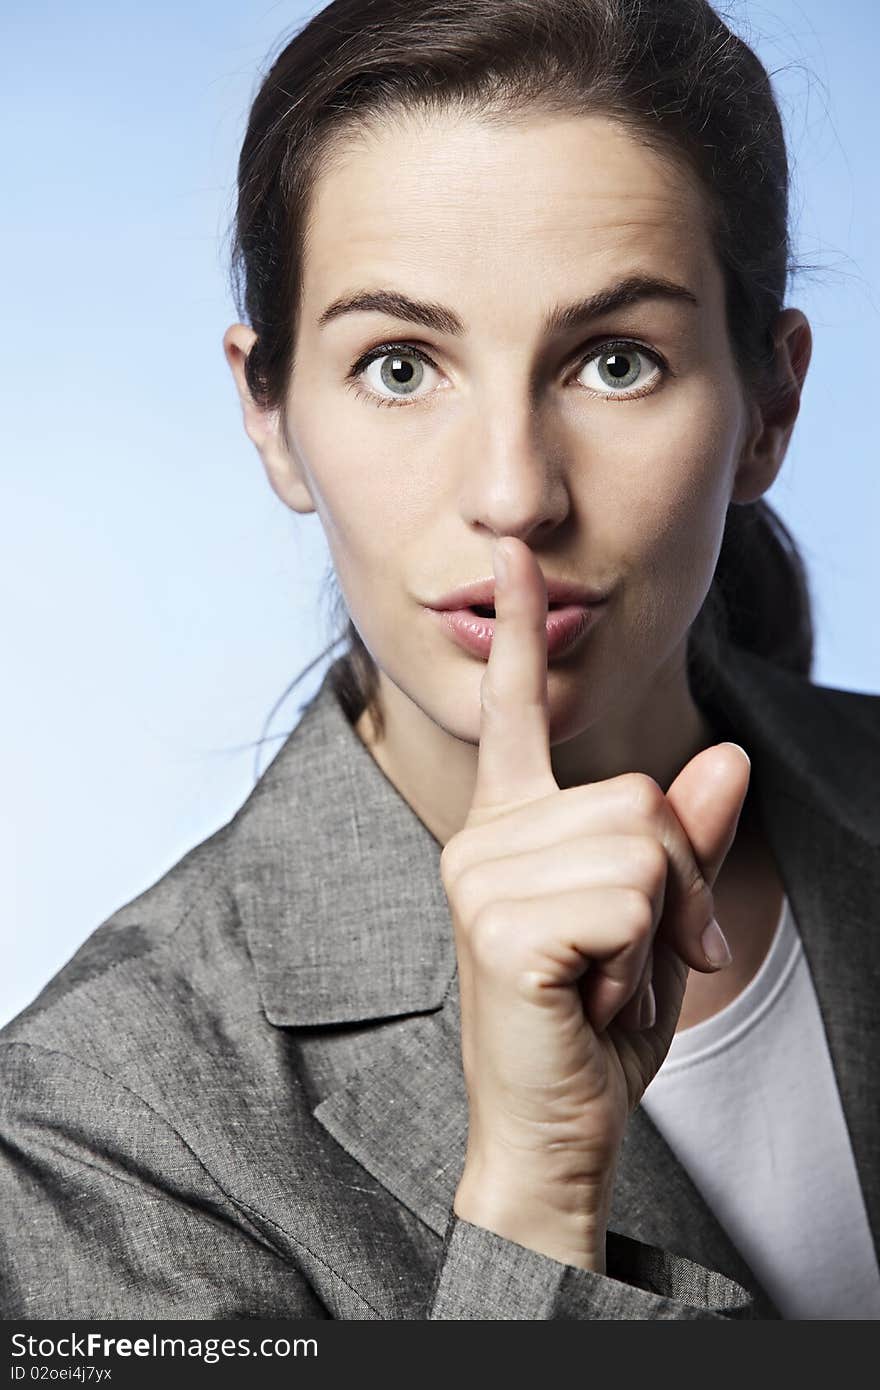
<point x="544" y="929"/>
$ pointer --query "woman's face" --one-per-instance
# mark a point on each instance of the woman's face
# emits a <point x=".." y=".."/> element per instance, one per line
<point x="615" y="464"/>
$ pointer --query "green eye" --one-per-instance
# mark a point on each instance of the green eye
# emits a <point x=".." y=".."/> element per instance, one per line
<point x="401" y="372"/>
<point x="619" y="367"/>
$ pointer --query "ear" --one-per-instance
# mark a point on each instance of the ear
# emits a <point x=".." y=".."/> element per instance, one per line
<point x="264" y="426"/>
<point x="773" y="420"/>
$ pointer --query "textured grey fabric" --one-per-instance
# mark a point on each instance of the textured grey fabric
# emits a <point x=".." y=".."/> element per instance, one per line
<point x="243" y="1096"/>
<point x="484" y="1276"/>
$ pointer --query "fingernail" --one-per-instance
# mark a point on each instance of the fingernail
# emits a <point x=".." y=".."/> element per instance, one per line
<point x="499" y="563"/>
<point x="715" y="945"/>
<point x="741" y="749"/>
<point x="648" y="1009"/>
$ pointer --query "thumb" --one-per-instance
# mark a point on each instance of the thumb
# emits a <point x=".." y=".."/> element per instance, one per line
<point x="707" y="796"/>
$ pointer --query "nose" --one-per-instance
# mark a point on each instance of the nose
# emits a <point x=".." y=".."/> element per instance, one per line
<point x="513" y="478"/>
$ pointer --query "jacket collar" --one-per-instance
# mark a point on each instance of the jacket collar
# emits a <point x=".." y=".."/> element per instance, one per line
<point x="338" y="886"/>
<point x="338" y="882"/>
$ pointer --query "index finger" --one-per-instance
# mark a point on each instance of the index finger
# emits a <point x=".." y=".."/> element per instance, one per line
<point x="514" y="758"/>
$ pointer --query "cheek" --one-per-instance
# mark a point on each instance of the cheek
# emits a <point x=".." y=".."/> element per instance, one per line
<point x="369" y="485"/>
<point x="676" y="488"/>
<point x="670" y="506"/>
<point x="357" y="497"/>
<point x="347" y="491"/>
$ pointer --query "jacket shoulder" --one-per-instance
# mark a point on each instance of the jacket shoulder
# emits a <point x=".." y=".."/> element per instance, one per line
<point x="846" y="720"/>
<point x="862" y="707"/>
<point x="800" y="690"/>
<point x="816" y="743"/>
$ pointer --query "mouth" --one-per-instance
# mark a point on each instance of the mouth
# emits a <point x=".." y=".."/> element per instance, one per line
<point x="473" y="627"/>
<point x="485" y="610"/>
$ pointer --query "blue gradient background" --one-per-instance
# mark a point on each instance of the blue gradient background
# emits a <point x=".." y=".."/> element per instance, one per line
<point x="156" y="597"/>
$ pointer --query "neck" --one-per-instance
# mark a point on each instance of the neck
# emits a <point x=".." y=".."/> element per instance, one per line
<point x="657" y="732"/>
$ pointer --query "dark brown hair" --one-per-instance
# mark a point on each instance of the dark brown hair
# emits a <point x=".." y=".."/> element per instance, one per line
<point x="669" y="70"/>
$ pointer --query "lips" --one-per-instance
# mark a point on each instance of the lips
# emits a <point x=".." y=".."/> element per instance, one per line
<point x="565" y="626"/>
<point x="481" y="594"/>
<point x="467" y="614"/>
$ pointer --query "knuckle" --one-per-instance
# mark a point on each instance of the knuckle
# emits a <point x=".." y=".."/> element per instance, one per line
<point x="638" y="914"/>
<point x="652" y="862"/>
<point x="489" y="698"/>
<point x="451" y="861"/>
<point x="490" y="934"/>
<point x="469" y="893"/>
<point x="696" y="889"/>
<point x="495" y="702"/>
<point x="646" y="796"/>
<point x="580" y="803"/>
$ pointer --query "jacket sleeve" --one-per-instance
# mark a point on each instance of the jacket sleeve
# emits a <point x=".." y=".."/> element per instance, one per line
<point x="106" y="1213"/>
<point x="485" y="1276"/>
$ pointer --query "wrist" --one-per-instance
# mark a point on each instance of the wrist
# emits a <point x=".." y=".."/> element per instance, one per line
<point x="567" y="1222"/>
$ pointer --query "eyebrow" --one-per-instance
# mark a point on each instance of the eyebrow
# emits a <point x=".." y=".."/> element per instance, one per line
<point x="560" y="319"/>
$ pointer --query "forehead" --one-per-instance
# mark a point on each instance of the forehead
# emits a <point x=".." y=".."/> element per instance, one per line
<point x="458" y="200"/>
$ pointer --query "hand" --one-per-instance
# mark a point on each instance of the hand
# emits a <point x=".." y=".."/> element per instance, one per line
<point x="568" y="905"/>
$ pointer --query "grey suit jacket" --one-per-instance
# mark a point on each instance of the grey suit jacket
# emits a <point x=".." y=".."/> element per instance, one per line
<point x="243" y="1096"/>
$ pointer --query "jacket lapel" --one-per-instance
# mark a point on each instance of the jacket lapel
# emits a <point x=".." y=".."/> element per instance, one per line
<point x="352" y="925"/>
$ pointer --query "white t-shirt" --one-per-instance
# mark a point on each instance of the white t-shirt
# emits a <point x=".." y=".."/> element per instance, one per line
<point x="749" y="1104"/>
